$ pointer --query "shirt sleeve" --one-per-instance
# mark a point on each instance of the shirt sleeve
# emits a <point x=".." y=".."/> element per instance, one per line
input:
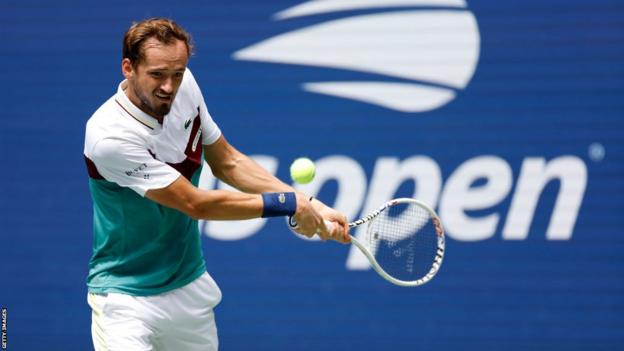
<point x="132" y="166"/>
<point x="210" y="130"/>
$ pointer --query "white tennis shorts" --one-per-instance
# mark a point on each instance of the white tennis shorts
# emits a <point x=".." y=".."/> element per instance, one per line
<point x="180" y="319"/>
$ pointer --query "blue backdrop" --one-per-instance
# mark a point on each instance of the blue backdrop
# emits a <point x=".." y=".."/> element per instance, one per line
<point x="505" y="115"/>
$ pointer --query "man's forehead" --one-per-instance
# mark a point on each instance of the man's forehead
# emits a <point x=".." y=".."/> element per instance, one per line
<point x="157" y="53"/>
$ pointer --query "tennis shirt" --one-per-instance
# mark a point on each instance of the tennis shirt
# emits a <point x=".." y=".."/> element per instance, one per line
<point x="140" y="247"/>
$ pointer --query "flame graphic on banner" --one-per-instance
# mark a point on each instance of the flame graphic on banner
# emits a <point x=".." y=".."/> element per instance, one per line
<point x="430" y="54"/>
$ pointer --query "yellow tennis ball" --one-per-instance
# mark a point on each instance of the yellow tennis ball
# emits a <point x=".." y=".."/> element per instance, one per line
<point x="302" y="170"/>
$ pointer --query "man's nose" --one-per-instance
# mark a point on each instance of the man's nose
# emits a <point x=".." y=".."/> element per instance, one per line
<point x="167" y="86"/>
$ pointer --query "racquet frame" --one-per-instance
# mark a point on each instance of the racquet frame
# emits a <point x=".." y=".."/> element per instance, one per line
<point x="437" y="262"/>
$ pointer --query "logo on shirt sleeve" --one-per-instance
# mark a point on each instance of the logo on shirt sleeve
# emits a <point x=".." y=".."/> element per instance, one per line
<point x="137" y="170"/>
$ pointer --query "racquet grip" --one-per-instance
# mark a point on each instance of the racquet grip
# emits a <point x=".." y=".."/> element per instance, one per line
<point x="328" y="224"/>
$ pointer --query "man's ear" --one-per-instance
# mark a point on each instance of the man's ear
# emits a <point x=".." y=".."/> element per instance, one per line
<point x="127" y="69"/>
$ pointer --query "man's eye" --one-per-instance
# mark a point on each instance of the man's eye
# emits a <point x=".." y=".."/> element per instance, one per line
<point x="179" y="74"/>
<point x="156" y="74"/>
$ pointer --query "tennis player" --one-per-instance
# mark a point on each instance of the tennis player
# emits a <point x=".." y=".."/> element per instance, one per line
<point x="148" y="285"/>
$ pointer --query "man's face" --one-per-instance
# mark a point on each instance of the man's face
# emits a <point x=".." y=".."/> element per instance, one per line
<point x="154" y="82"/>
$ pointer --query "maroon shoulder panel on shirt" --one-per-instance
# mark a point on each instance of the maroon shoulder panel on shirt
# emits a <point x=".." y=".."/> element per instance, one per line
<point x="193" y="151"/>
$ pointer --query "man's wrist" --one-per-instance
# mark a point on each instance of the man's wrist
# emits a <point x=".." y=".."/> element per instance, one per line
<point x="279" y="204"/>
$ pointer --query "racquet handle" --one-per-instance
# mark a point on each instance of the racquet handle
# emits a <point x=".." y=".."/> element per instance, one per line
<point x="328" y="224"/>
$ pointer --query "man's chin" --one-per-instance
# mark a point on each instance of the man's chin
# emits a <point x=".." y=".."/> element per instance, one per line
<point x="163" y="109"/>
<point x="158" y="110"/>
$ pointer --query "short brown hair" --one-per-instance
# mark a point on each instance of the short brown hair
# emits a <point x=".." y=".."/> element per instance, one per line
<point x="163" y="29"/>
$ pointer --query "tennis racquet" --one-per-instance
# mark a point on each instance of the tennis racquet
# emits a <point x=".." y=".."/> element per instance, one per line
<point x="404" y="241"/>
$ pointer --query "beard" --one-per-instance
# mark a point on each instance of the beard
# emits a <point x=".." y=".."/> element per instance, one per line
<point x="154" y="108"/>
<point x="159" y="109"/>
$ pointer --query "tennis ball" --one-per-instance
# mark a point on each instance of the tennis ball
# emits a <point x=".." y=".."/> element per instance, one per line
<point x="302" y="170"/>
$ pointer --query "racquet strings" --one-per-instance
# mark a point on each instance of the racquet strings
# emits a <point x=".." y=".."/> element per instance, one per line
<point x="403" y="240"/>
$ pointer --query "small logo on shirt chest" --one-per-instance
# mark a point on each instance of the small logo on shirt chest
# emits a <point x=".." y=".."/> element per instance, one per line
<point x="187" y="123"/>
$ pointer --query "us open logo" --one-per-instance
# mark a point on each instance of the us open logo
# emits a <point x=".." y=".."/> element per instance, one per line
<point x="421" y="52"/>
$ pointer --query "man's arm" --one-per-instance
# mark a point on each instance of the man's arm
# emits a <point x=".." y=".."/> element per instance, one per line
<point x="227" y="205"/>
<point x="199" y="204"/>
<point x="240" y="171"/>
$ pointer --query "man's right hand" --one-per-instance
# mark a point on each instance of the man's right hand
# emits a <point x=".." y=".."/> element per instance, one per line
<point x="310" y="222"/>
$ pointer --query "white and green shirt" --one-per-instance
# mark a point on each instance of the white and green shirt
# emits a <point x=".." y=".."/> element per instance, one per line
<point x="139" y="246"/>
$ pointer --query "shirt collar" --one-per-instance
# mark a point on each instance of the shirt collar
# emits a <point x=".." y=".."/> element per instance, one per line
<point x="132" y="110"/>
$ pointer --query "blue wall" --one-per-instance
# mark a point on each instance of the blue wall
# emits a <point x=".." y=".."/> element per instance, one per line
<point x="547" y="86"/>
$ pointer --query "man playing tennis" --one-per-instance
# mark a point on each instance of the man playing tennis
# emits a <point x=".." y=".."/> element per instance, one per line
<point x="148" y="285"/>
